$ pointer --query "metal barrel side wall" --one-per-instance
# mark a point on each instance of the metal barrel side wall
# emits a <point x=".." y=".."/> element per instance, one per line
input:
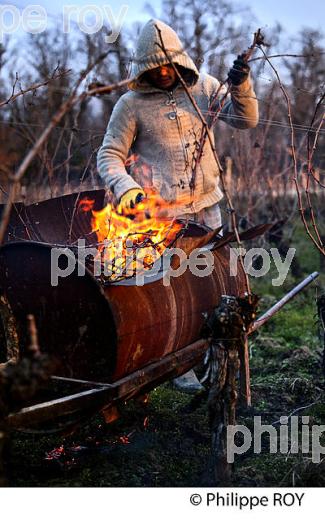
<point x="74" y="321"/>
<point x="155" y="320"/>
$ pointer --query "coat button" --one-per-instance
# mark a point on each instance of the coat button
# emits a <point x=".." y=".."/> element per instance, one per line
<point x="172" y="116"/>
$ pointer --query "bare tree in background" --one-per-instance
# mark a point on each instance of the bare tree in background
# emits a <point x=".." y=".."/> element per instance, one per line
<point x="210" y="31"/>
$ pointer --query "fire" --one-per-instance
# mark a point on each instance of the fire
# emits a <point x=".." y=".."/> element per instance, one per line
<point x="135" y="240"/>
<point x="86" y="204"/>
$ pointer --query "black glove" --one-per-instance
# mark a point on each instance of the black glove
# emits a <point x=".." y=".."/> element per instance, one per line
<point x="239" y="71"/>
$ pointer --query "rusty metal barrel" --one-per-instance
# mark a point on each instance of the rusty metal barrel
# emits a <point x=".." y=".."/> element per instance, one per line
<point x="104" y="332"/>
<point x="155" y="320"/>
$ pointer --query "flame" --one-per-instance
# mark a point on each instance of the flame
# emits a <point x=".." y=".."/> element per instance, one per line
<point x="135" y="240"/>
<point x="86" y="204"/>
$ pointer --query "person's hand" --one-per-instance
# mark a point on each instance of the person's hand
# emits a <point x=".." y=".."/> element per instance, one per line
<point x="239" y="71"/>
<point x="130" y="199"/>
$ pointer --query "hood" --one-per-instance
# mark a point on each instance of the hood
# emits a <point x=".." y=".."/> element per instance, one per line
<point x="149" y="55"/>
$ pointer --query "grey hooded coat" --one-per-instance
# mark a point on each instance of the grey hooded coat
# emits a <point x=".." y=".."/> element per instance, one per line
<point x="152" y="134"/>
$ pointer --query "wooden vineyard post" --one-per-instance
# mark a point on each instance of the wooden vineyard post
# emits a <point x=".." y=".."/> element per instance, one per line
<point x="245" y="381"/>
<point x="228" y="183"/>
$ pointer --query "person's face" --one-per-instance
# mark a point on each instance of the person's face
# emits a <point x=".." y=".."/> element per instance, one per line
<point x="162" y="77"/>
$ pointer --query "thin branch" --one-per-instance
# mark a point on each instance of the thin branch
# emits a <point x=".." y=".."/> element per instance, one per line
<point x="108" y="88"/>
<point x="286" y="56"/>
<point x="32" y="88"/>
<point x="15" y="179"/>
<point x="310" y="154"/>
<point x="299" y="410"/>
<point x="75" y="207"/>
<point x="294" y="156"/>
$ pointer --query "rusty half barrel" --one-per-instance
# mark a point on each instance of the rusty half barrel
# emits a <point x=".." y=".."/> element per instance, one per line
<point x="104" y="332"/>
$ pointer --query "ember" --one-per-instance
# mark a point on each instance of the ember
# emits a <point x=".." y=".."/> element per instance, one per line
<point x="55" y="454"/>
<point x="124" y="439"/>
<point x="65" y="457"/>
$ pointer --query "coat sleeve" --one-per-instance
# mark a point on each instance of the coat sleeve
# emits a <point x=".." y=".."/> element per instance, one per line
<point x="112" y="155"/>
<point x="241" y="107"/>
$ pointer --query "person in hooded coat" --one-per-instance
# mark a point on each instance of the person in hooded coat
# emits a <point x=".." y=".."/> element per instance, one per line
<point x="153" y="131"/>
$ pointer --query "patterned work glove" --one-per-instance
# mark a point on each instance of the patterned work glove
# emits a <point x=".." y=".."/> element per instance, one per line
<point x="130" y="199"/>
<point x="239" y="71"/>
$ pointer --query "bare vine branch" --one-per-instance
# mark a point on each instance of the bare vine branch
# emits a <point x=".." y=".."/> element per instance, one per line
<point x="316" y="242"/>
<point x="32" y="88"/>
